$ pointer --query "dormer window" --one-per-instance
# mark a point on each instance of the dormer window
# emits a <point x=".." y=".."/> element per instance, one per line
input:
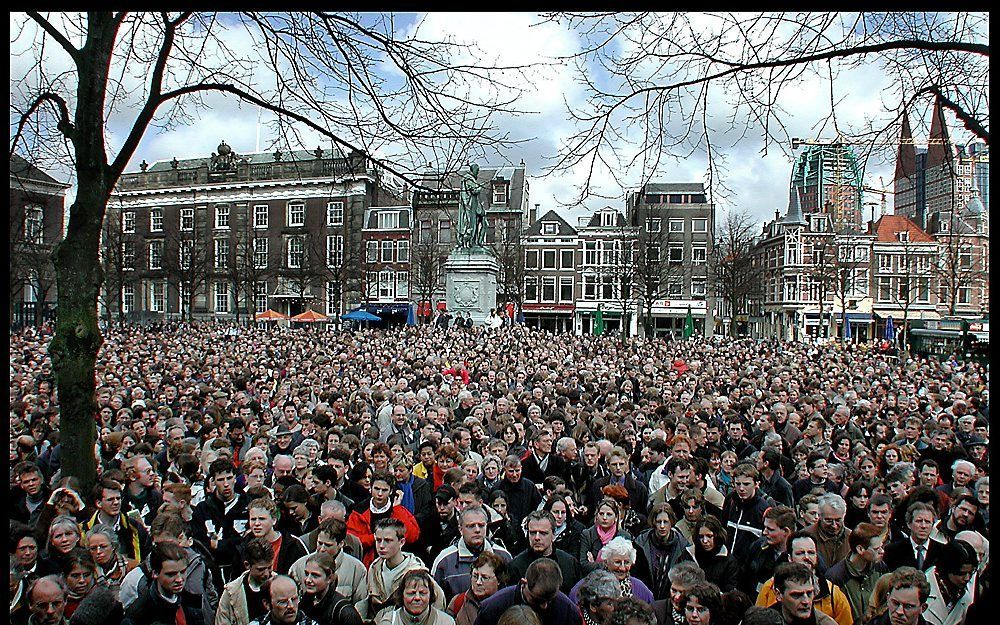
<point x="904" y="236"/>
<point x="500" y="193"/>
<point x="550" y="227"/>
<point x="608" y="219"/>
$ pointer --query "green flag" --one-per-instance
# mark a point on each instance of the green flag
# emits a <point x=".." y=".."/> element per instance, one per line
<point x="688" y="324"/>
<point x="599" y="323"/>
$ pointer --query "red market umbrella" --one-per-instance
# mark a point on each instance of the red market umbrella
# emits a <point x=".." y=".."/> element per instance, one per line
<point x="270" y="315"/>
<point x="309" y="316"/>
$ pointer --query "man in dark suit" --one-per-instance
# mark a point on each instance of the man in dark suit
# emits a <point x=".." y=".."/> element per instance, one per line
<point x="618" y="465"/>
<point x="917" y="550"/>
<point x="536" y="465"/>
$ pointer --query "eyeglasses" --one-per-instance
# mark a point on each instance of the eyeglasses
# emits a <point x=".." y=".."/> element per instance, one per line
<point x="479" y="577"/>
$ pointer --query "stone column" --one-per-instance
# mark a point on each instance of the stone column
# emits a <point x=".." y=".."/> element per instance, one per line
<point x="471" y="279"/>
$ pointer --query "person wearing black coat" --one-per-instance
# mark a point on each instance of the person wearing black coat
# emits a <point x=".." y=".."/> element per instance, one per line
<point x="618" y="465"/>
<point x="162" y="600"/>
<point x="656" y="555"/>
<point x="712" y="555"/>
<point x="522" y="496"/>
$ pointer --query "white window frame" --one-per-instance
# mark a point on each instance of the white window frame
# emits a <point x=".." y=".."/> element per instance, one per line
<point x="402" y="284"/>
<point x="589" y="287"/>
<point x="260" y="252"/>
<point x="260" y="216"/>
<point x="654" y="224"/>
<point x="699" y="287"/>
<point x="675" y="288"/>
<point x="531" y="291"/>
<point x="371" y="252"/>
<point x="699" y="254"/>
<point x="402" y="251"/>
<point x="549" y="255"/>
<point x="296" y="214"/>
<point x="128" y="298"/>
<point x="187" y="220"/>
<point x="675" y="225"/>
<point x="296" y="252"/>
<point x="675" y="250"/>
<point x="562" y="259"/>
<point x="566" y="282"/>
<point x="334" y="250"/>
<point x="128" y="226"/>
<point x="387" y="249"/>
<point x="548" y="282"/>
<point x="220" y="257"/>
<point x="335" y="213"/>
<point x="702" y="221"/>
<point x="34" y="223"/>
<point x="156" y="220"/>
<point x="550" y="228"/>
<point x="222" y="216"/>
<point x="331" y="305"/>
<point x="128" y="255"/>
<point x="500" y="193"/>
<point x="388" y="220"/>
<point x="157" y="256"/>
<point x="531" y="259"/>
<point x="158" y="296"/>
<point x="222" y="300"/>
<point x="652" y="253"/>
<point x="185" y="253"/>
<point x="260" y="305"/>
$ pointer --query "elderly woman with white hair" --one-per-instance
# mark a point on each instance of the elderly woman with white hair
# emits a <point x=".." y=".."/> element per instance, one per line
<point x="617" y="557"/>
<point x="596" y="595"/>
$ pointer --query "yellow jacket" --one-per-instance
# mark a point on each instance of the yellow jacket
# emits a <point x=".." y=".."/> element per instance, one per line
<point x="834" y="604"/>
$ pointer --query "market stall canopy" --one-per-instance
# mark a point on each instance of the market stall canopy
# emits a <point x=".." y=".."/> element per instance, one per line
<point x="309" y="316"/>
<point x="360" y="315"/>
<point x="270" y="315"/>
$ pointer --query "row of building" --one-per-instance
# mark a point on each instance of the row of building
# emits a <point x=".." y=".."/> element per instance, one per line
<point x="229" y="235"/>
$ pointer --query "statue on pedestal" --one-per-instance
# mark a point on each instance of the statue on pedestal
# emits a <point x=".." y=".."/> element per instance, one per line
<point x="471" y="214"/>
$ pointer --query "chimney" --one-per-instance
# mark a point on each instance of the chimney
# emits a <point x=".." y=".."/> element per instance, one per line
<point x="533" y="214"/>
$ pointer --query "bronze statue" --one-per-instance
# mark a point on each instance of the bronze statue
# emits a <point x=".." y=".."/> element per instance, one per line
<point x="471" y="214"/>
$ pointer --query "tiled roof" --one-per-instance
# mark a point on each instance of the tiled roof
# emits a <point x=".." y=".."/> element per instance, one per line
<point x="565" y="230"/>
<point x="26" y="171"/>
<point x="888" y="225"/>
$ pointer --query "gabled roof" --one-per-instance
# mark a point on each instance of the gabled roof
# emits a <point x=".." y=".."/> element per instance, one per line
<point x="595" y="219"/>
<point x="888" y="226"/>
<point x="906" y="156"/>
<point x="564" y="229"/>
<point x="21" y="168"/>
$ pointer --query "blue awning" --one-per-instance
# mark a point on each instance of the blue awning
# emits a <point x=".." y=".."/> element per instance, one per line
<point x="385" y="309"/>
<point x="859" y="317"/>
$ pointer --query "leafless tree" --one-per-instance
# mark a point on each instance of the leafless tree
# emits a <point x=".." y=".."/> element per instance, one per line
<point x="619" y="267"/>
<point x="732" y="272"/>
<point x="664" y="76"/>
<point x="353" y="79"/>
<point x="506" y="242"/>
<point x="912" y="283"/>
<point x="311" y="272"/>
<point x="117" y="263"/>
<point x="426" y="271"/>
<point x="653" y="272"/>
<point x="187" y="262"/>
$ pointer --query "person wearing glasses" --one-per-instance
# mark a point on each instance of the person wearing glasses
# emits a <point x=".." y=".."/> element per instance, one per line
<point x="539" y="590"/>
<point x="489" y="574"/>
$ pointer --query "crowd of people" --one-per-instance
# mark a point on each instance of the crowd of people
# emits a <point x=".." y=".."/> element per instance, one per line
<point x="497" y="475"/>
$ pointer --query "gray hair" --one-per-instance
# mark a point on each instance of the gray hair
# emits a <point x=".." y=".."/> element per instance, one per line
<point x="108" y="532"/>
<point x="983" y="481"/>
<point x="470" y="510"/>
<point x="618" y="546"/>
<point x="334" y="506"/>
<point x="686" y="574"/>
<point x="67" y="521"/>
<point x="834" y="501"/>
<point x="563" y="443"/>
<point x="969" y="465"/>
<point x="599" y="584"/>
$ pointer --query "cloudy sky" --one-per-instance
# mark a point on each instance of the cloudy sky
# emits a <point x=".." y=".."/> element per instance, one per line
<point x="758" y="181"/>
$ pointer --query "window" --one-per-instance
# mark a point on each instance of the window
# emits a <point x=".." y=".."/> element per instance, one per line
<point x="548" y="289"/>
<point x="608" y="290"/>
<point x="371" y="252"/>
<point x="158" y="297"/>
<point x="699" y="225"/>
<point x="260" y="253"/>
<point x="608" y="219"/>
<point x="155" y="254"/>
<point x="185" y="251"/>
<point x="550" y="227"/>
<point x="697" y="287"/>
<point x="944" y="226"/>
<point x="296" y="214"/>
<point x="386" y="251"/>
<point x="590" y="253"/>
<point x="885" y="289"/>
<point x="33" y="224"/>
<point x="295" y="253"/>
<point x="531" y="259"/>
<point x="652" y="253"/>
<point x="221" y="297"/>
<point x="424" y="235"/>
<point x="260" y="216"/>
<point x="653" y="224"/>
<point x="965" y="257"/>
<point x="444" y="231"/>
<point x="531" y="289"/>
<point x="187" y="219"/>
<point x="260" y="297"/>
<point x="388" y="220"/>
<point x="332" y="299"/>
<point x="566" y="261"/>
<point x="589" y="287"/>
<point x="334" y="250"/>
<point x="903" y="236"/>
<point x="923" y="290"/>
<point x="675" y="288"/>
<point x="128" y="227"/>
<point x="923" y="264"/>
<point x="371" y="284"/>
<point x="128" y="298"/>
<point x="128" y="255"/>
<point x="964" y="295"/>
<point x="699" y="254"/>
<point x="221" y="253"/>
<point x="402" y="284"/>
<point x="155" y="220"/>
<point x="386" y="284"/>
<point x="548" y="259"/>
<point x="861" y="254"/>
<point x="858" y="286"/>
<point x="676" y="225"/>
<point x="791" y="289"/>
<point x="885" y="262"/>
<point x="500" y="193"/>
<point x="222" y="216"/>
<point x="566" y="290"/>
<point x="676" y="254"/>
<point x="335" y="213"/>
<point x="402" y="251"/>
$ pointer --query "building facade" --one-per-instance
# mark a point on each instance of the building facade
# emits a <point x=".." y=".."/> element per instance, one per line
<point x="550" y="273"/>
<point x="37" y="211"/>
<point x="675" y="228"/>
<point x="387" y="234"/>
<point x="828" y="179"/>
<point x="230" y="235"/>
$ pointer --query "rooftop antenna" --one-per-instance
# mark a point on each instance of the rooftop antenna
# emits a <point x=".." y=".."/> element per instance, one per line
<point x="257" y="146"/>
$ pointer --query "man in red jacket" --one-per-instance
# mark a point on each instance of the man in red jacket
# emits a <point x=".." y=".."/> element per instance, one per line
<point x="384" y="503"/>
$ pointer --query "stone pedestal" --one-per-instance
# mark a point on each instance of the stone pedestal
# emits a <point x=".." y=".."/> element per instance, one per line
<point x="471" y="279"/>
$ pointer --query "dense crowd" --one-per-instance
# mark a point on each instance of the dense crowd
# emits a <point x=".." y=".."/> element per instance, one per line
<point x="497" y="475"/>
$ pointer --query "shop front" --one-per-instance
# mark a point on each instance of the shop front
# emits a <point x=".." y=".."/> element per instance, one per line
<point x="557" y="318"/>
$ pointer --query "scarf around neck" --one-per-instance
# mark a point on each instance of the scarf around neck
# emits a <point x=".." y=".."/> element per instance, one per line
<point x="606" y="535"/>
